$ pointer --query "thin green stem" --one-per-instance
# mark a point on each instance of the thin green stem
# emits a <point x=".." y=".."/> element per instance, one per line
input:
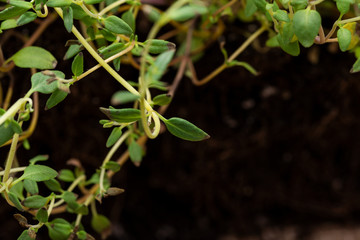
<point x="10" y="158"/>
<point x="247" y="43"/>
<point x="14" y="170"/>
<point x="354" y="19"/>
<point x="99" y="59"/>
<point x="51" y="206"/>
<point x="128" y="49"/>
<point x="88" y="12"/>
<point x="75" y="183"/>
<point x="313" y="3"/>
<point x="86" y="203"/>
<point x="109" y="156"/>
<point x="143" y="84"/>
<point x="111" y="6"/>
<point x="14" y="109"/>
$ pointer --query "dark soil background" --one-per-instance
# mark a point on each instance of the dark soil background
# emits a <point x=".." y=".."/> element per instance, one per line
<point x="284" y="147"/>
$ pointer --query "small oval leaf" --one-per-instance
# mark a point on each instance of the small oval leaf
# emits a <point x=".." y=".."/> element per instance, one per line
<point x="42" y="215"/>
<point x="77" y="66"/>
<point x="38" y="173"/>
<point x="34" y="57"/>
<point x="344" y="38"/>
<point x="117" y="25"/>
<point x="306" y="26"/>
<point x="185" y="130"/>
<point x="125" y="115"/>
<point x="35" y="201"/>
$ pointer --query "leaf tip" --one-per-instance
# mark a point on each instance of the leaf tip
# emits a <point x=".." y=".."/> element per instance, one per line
<point x="206" y="137"/>
<point x="54" y="63"/>
<point x="171" y="46"/>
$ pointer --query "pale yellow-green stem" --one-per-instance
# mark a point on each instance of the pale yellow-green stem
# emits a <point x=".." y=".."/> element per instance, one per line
<point x="111" y="71"/>
<point x="14" y="109"/>
<point x="109" y="156"/>
<point x="99" y="59"/>
<point x="111" y="6"/>
<point x="143" y="84"/>
<point x="70" y="189"/>
<point x="51" y="206"/>
<point x="123" y="52"/>
<point x="42" y="15"/>
<point x="14" y="170"/>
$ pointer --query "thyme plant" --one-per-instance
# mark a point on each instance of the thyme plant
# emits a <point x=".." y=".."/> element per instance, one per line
<point x="106" y="29"/>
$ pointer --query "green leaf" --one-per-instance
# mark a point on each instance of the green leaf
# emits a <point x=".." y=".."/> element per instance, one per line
<point x="299" y="4"/>
<point x="291" y="48"/>
<point x="72" y="51"/>
<point x="244" y="65"/>
<point x="15" y="200"/>
<point x="11" y="12"/>
<point x="82" y="209"/>
<point x="122" y="97"/>
<point x="53" y="185"/>
<point x="356" y="67"/>
<point x="79" y="13"/>
<point x="157" y="46"/>
<point x="42" y="215"/>
<point x="187" y="12"/>
<point x="114" y="136"/>
<point x="100" y="223"/>
<point x="31" y="186"/>
<point x="66" y="175"/>
<point x="185" y="130"/>
<point x="91" y="2"/>
<point x="38" y="158"/>
<point x="282" y="15"/>
<point x="306" y="26"/>
<point x="26" y="18"/>
<point x="25" y="236"/>
<point x="128" y="17"/>
<point x="35" y="201"/>
<point x="250" y="8"/>
<point x="59" y="229"/>
<point x="34" y="57"/>
<point x="6" y="133"/>
<point x="135" y="152"/>
<point x="125" y="115"/>
<point x="116" y="63"/>
<point x="77" y="66"/>
<point x="344" y="5"/>
<point x="82" y="235"/>
<point x="70" y="199"/>
<point x="344" y="38"/>
<point x="39" y="82"/>
<point x="109" y="36"/>
<point x="21" y="4"/>
<point x="68" y="15"/>
<point x="113" y="166"/>
<point x="15" y="126"/>
<point x="162" y="99"/>
<point x="111" y="50"/>
<point x="58" y="3"/>
<point x="117" y="25"/>
<point x="55" y="98"/>
<point x="8" y="24"/>
<point x="152" y="13"/>
<point x="18" y="189"/>
<point x="38" y="173"/>
<point x="157" y="69"/>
